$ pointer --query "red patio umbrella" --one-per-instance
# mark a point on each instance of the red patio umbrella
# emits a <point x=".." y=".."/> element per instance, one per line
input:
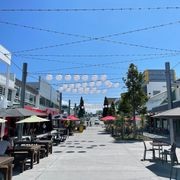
<point x="72" y="118"/>
<point x="108" y="118"/>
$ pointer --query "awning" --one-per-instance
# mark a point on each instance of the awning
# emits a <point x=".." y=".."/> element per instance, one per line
<point x="169" y="114"/>
<point x="19" y="112"/>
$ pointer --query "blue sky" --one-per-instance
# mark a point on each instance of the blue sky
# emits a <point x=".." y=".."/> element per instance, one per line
<point x="110" y="55"/>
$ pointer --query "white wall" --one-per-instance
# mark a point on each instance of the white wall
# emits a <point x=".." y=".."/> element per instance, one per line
<point x="155" y="86"/>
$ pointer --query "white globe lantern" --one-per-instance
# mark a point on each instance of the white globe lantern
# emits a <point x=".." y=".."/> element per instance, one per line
<point x="68" y="89"/>
<point x="61" y="89"/>
<point x="103" y="77"/>
<point x="68" y="77"/>
<point x="98" y="83"/>
<point x="80" y="90"/>
<point x="107" y="83"/>
<point x="59" y="77"/>
<point x="94" y="88"/>
<point x="94" y="77"/>
<point x="71" y="86"/>
<point x="91" y="84"/>
<point x="49" y="77"/>
<point x="78" y="85"/>
<point x="116" y="85"/>
<point x="110" y="85"/>
<point x="84" y="84"/>
<point x="76" y="77"/>
<point x="104" y="91"/>
<point x="65" y="86"/>
<point x="74" y="90"/>
<point x="84" y="77"/>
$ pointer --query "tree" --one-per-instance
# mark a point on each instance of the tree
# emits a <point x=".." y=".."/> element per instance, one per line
<point x="105" y="107"/>
<point x="81" y="108"/>
<point x="135" y="95"/>
<point x="112" y="111"/>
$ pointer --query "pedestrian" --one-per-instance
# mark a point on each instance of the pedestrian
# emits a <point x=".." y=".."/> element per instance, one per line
<point x="44" y="128"/>
<point x="5" y="145"/>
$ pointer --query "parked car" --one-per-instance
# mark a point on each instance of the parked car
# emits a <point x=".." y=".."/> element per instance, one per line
<point x="97" y="122"/>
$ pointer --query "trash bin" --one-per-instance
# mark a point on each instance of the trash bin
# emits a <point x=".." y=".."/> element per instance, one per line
<point x="81" y="128"/>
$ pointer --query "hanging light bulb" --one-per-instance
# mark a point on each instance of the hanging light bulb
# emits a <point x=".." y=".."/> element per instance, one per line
<point x="49" y="77"/>
<point x="68" y="77"/>
<point x="94" y="77"/>
<point x="59" y="77"/>
<point x="76" y="77"/>
<point x="84" y="77"/>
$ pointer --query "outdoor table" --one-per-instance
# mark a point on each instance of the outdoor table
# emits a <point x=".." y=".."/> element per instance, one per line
<point x="33" y="151"/>
<point x="158" y="146"/>
<point x="7" y="161"/>
<point x="47" y="144"/>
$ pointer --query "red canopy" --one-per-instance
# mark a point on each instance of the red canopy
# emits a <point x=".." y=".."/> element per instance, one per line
<point x="72" y="118"/>
<point x="108" y="118"/>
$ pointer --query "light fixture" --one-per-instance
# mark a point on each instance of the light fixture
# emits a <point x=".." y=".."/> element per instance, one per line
<point x="68" y="77"/>
<point x="59" y="77"/>
<point x="49" y="77"/>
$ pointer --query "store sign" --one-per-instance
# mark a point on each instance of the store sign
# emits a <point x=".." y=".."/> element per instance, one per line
<point x="5" y="55"/>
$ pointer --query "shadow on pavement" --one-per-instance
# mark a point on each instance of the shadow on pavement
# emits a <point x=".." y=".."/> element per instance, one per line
<point x="160" y="170"/>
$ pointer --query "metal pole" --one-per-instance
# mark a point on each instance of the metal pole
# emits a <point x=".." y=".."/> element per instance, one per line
<point x="75" y="109"/>
<point x="60" y="102"/>
<point x="170" y="104"/>
<point x="23" y="89"/>
<point x="69" y="107"/>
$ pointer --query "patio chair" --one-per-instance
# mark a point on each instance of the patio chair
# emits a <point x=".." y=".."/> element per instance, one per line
<point x="170" y="152"/>
<point x="148" y="149"/>
<point x="174" y="161"/>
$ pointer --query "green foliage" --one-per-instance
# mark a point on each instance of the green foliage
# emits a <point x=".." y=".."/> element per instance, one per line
<point x="81" y="108"/>
<point x="105" y="108"/>
<point x="135" y="96"/>
<point x="112" y="111"/>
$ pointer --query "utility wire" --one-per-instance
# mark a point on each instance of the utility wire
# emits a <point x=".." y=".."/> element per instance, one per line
<point x="83" y="36"/>
<point x="101" y="65"/>
<point x="102" y="38"/>
<point x="95" y="39"/>
<point x="90" y="9"/>
<point x="91" y="55"/>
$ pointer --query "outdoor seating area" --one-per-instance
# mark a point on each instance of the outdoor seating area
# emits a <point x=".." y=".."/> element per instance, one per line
<point x="28" y="152"/>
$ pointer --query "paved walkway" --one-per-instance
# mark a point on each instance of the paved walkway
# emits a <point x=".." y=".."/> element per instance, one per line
<point x="93" y="155"/>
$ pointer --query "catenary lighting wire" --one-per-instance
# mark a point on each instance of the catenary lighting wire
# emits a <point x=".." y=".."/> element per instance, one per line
<point x="83" y="36"/>
<point x="101" y="65"/>
<point x="89" y="9"/>
<point x="91" y="55"/>
<point x="102" y="38"/>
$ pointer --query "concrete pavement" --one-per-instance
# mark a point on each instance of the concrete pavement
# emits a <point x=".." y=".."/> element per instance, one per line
<point x="93" y="155"/>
